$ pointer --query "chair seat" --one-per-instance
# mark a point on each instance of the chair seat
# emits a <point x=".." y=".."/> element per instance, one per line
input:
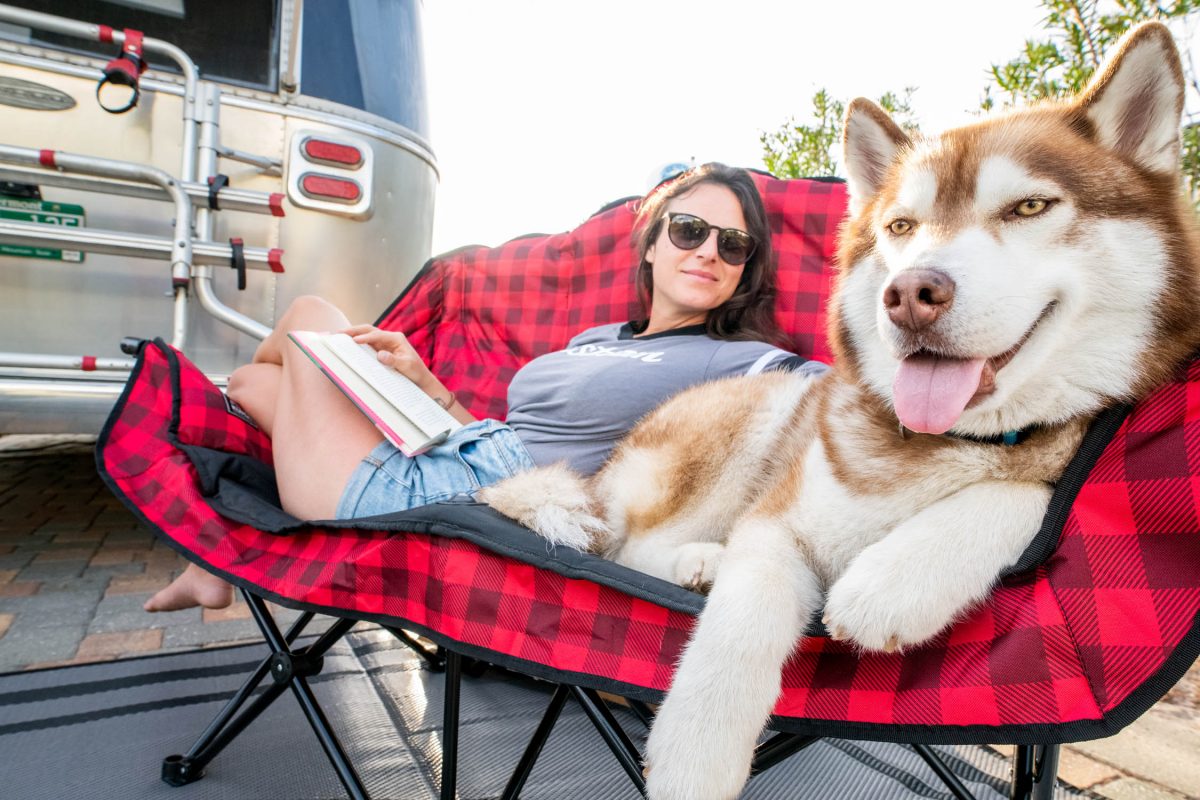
<point x="1073" y="648"/>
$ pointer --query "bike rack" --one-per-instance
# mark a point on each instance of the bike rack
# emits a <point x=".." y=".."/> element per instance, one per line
<point x="191" y="251"/>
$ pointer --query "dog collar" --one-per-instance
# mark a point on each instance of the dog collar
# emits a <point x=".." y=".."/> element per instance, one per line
<point x="1008" y="438"/>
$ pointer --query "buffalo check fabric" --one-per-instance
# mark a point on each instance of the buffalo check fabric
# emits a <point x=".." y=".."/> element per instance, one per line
<point x="1074" y="648"/>
<point x="478" y="314"/>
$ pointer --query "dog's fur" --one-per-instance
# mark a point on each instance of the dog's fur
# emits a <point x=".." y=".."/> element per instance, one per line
<point x="788" y="493"/>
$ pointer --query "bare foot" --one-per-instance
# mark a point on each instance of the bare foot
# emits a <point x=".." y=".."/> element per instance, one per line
<point x="195" y="587"/>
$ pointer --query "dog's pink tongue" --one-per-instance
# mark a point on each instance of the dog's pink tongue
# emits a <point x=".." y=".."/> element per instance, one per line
<point x="930" y="392"/>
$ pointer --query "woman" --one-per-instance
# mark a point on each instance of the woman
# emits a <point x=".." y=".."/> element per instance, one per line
<point x="706" y="281"/>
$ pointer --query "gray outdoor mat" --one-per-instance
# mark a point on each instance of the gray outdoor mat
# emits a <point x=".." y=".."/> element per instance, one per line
<point x="101" y="731"/>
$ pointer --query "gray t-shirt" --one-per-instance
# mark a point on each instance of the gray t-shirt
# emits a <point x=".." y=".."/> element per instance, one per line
<point x="574" y="404"/>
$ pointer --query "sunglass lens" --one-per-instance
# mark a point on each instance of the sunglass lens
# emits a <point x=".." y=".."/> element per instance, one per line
<point x="735" y="247"/>
<point x="686" y="231"/>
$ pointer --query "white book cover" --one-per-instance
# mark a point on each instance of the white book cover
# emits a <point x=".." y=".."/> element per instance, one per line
<point x="405" y="415"/>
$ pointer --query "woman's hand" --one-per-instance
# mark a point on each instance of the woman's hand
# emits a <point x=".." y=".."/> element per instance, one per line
<point x="393" y="350"/>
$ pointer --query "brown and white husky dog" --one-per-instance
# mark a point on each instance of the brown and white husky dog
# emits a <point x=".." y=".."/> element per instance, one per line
<point x="1018" y="274"/>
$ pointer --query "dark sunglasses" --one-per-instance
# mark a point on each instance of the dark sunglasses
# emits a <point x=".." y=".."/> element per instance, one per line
<point x="687" y="232"/>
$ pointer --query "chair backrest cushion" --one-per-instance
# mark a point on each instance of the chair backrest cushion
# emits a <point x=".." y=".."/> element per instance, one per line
<point x="477" y="314"/>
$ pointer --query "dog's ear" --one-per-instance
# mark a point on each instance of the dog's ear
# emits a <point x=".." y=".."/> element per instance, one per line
<point x="1135" y="100"/>
<point x="870" y="143"/>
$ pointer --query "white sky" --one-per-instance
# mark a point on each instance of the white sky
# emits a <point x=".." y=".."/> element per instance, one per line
<point x="544" y="110"/>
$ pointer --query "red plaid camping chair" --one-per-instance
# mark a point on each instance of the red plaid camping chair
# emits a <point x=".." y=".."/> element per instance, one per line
<point x="1099" y="619"/>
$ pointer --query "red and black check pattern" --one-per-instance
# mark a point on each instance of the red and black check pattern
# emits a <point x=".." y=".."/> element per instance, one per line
<point x="1073" y="649"/>
<point x="479" y="314"/>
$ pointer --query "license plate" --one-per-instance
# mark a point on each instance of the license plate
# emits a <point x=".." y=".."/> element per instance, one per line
<point x="41" y="212"/>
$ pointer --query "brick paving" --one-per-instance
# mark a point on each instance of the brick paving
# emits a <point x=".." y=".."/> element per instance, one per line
<point x="76" y="566"/>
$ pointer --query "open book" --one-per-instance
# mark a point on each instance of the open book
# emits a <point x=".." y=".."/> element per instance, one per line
<point x="405" y="415"/>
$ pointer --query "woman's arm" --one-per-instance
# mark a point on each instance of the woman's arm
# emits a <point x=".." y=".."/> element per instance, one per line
<point x="393" y="350"/>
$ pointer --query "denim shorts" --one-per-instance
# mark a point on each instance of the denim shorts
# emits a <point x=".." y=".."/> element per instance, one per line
<point x="474" y="456"/>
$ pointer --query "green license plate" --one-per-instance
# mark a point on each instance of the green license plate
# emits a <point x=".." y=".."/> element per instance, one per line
<point x="42" y="213"/>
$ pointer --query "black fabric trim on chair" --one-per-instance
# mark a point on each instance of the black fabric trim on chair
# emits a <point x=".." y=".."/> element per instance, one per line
<point x="469" y="520"/>
<point x="106" y="431"/>
<point x="1098" y="435"/>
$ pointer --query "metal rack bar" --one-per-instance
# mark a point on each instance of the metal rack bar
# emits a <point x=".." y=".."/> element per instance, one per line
<point x="83" y="362"/>
<point x="131" y="245"/>
<point x="229" y="198"/>
<point x="99" y="33"/>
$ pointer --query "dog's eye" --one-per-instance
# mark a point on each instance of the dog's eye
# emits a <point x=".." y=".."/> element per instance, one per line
<point x="900" y="227"/>
<point x="1031" y="207"/>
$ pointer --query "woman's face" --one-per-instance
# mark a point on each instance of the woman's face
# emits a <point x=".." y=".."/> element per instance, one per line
<point x="690" y="283"/>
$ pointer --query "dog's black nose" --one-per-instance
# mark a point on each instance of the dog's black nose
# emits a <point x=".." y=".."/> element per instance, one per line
<point x="917" y="297"/>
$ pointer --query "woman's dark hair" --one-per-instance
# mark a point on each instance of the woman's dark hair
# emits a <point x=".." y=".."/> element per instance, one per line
<point x="750" y="313"/>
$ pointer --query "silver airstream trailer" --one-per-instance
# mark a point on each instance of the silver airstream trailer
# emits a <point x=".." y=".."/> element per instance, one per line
<point x="184" y="169"/>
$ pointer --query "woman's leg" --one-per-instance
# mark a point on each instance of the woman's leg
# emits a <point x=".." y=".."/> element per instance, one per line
<point x="307" y="313"/>
<point x="254" y="387"/>
<point x="318" y="437"/>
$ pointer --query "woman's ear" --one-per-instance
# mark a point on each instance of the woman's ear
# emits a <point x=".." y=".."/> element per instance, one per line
<point x="649" y="257"/>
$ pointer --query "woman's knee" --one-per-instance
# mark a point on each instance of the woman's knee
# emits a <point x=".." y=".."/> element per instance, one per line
<point x="255" y="387"/>
<point x="311" y="311"/>
<point x="244" y="381"/>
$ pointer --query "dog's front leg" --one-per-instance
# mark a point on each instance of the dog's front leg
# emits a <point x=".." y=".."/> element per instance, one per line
<point x="728" y="678"/>
<point x="908" y="586"/>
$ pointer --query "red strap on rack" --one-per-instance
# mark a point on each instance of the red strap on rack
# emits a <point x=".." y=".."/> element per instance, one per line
<point x="124" y="70"/>
<point x="89" y="364"/>
<point x="131" y="61"/>
<point x="104" y="34"/>
<point x="133" y="48"/>
<point x="46" y="158"/>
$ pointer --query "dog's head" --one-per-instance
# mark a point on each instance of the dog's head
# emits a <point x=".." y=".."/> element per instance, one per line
<point x="1026" y="269"/>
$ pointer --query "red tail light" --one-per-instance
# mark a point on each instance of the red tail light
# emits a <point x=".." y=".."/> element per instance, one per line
<point x="332" y="172"/>
<point x="325" y="187"/>
<point x="332" y="153"/>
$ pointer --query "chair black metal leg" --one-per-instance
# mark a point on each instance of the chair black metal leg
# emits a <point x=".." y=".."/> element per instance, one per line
<point x="1045" y="772"/>
<point x="613" y="734"/>
<point x="947" y="776"/>
<point x="435" y="659"/>
<point x="521" y="774"/>
<point x="329" y="742"/>
<point x="642" y="711"/>
<point x="291" y="668"/>
<point x="179" y="770"/>
<point x="777" y="748"/>
<point x="287" y="668"/>
<point x="450" y="725"/>
<point x="1035" y="768"/>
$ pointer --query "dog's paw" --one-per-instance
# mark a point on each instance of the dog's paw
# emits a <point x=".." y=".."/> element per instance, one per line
<point x="877" y="618"/>
<point x="696" y="564"/>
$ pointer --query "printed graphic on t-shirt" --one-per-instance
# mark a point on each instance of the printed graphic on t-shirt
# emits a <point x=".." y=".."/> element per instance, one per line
<point x="613" y="351"/>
